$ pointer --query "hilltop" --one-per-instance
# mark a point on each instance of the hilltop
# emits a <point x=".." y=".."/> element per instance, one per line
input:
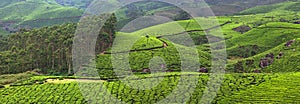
<point x="15" y="14"/>
<point x="284" y="7"/>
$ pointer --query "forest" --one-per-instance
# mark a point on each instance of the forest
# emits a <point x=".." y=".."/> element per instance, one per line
<point x="48" y="49"/>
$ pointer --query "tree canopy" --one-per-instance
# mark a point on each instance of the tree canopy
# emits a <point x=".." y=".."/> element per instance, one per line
<point x="48" y="49"/>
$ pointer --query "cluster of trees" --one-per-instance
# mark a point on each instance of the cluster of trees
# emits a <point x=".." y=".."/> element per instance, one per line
<point x="3" y="42"/>
<point x="48" y="49"/>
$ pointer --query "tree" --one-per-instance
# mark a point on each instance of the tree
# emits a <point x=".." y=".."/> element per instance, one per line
<point x="107" y="34"/>
<point x="239" y="67"/>
<point x="50" y="48"/>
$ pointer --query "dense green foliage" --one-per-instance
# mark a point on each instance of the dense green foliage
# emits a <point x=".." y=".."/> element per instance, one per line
<point x="70" y="92"/>
<point x="292" y="6"/>
<point x="39" y="13"/>
<point x="277" y="90"/>
<point x="52" y="93"/>
<point x="3" y="42"/>
<point x="48" y="48"/>
<point x="18" y="14"/>
<point x="13" y="78"/>
<point x="36" y="9"/>
<point x="39" y="48"/>
<point x="288" y="63"/>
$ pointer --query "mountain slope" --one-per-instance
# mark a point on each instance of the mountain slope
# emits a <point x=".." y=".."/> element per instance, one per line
<point x="281" y="89"/>
<point x="290" y="6"/>
<point x="262" y="39"/>
<point x="33" y="9"/>
<point x="287" y="63"/>
<point x="24" y="13"/>
<point x="28" y="13"/>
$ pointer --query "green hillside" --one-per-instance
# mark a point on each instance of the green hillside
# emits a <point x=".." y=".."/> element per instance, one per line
<point x="265" y="34"/>
<point x="40" y="59"/>
<point x="37" y="13"/>
<point x="69" y="92"/>
<point x="269" y="32"/>
<point x="263" y="38"/>
<point x="277" y="90"/>
<point x="149" y="8"/>
<point x="7" y="2"/>
<point x="291" y="6"/>
<point x="83" y="4"/>
<point x="235" y="88"/>
<point x="36" y="9"/>
<point x="288" y="63"/>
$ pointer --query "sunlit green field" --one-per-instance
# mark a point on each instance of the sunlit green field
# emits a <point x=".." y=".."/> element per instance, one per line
<point x="235" y="88"/>
<point x="39" y="89"/>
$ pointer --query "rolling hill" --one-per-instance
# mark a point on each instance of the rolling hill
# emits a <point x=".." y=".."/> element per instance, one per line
<point x="48" y="12"/>
<point x="280" y="89"/>
<point x="148" y="8"/>
<point x="265" y="34"/>
<point x="291" y="6"/>
<point x="36" y="13"/>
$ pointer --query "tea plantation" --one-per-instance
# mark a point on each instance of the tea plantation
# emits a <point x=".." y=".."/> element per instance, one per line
<point x="69" y="92"/>
<point x="250" y="37"/>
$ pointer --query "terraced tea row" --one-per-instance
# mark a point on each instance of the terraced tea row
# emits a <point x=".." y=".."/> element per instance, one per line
<point x="175" y="85"/>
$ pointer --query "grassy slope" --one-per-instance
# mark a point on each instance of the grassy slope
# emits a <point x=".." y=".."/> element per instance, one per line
<point x="288" y="63"/>
<point x="4" y="3"/>
<point x="75" y="3"/>
<point x="221" y="7"/>
<point x="286" y="10"/>
<point x="268" y="35"/>
<point x="266" y="8"/>
<point x="265" y="37"/>
<point x="62" y="92"/>
<point x="35" y="9"/>
<point x="138" y="59"/>
<point x="282" y="89"/>
<point x="236" y="88"/>
<point x="279" y="7"/>
<point x="170" y="53"/>
<point x="11" y="78"/>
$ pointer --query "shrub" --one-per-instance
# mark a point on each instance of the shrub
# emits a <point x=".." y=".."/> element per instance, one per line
<point x="242" y="29"/>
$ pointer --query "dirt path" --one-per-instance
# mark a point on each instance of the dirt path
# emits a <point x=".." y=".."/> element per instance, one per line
<point x="279" y="28"/>
<point x="57" y="81"/>
<point x="164" y="45"/>
<point x="197" y="30"/>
